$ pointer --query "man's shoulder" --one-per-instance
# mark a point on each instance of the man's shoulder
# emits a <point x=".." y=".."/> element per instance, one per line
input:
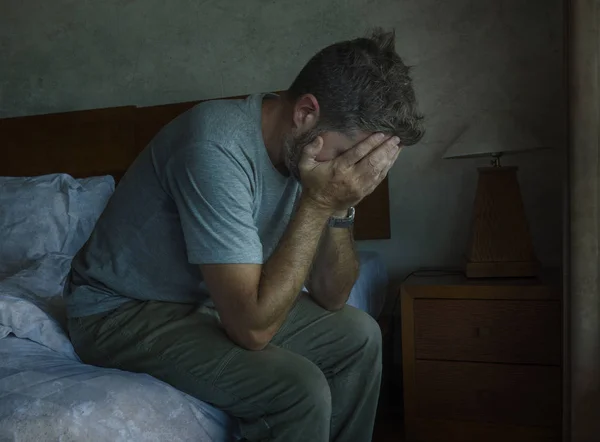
<point x="217" y="117"/>
<point x="223" y="107"/>
<point x="228" y="124"/>
<point x="209" y="136"/>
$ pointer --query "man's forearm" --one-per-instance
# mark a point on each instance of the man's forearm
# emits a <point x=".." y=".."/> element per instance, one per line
<point x="285" y="272"/>
<point x="335" y="269"/>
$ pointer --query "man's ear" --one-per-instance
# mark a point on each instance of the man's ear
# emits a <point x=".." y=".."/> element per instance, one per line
<point x="306" y="113"/>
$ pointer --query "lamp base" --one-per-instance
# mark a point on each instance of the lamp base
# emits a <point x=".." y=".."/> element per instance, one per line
<point x="500" y="245"/>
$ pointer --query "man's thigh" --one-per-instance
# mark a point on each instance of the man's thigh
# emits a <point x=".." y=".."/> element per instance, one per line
<point x="188" y="349"/>
<point x="139" y="336"/>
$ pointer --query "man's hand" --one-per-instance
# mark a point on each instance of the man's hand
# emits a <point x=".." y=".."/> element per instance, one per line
<point x="348" y="178"/>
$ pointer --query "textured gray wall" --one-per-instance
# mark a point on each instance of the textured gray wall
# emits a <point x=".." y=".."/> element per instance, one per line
<point x="469" y="55"/>
<point x="583" y="300"/>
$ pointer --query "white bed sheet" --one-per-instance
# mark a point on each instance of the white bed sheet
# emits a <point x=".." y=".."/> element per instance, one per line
<point x="370" y="290"/>
<point x="46" y="395"/>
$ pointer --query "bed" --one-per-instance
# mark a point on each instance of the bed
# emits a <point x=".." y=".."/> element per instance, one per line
<point x="63" y="169"/>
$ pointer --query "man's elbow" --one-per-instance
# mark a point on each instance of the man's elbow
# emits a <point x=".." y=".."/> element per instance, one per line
<point x="254" y="343"/>
<point x="333" y="306"/>
<point x="331" y="299"/>
<point x="339" y="301"/>
<point x="250" y="340"/>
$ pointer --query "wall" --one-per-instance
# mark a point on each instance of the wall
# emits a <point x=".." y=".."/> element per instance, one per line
<point x="469" y="55"/>
<point x="582" y="379"/>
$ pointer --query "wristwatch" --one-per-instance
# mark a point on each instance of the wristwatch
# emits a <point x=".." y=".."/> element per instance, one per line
<point x="343" y="223"/>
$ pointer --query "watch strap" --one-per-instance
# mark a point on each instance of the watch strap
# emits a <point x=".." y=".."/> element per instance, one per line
<point x="344" y="222"/>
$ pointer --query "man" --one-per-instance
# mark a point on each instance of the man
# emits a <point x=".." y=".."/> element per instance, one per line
<point x="194" y="272"/>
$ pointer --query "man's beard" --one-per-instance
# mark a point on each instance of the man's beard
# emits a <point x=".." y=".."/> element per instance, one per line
<point x="293" y="146"/>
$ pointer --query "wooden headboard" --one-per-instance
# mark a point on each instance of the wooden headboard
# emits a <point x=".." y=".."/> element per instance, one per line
<point x="106" y="141"/>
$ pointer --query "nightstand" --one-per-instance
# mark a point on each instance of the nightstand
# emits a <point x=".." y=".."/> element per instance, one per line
<point x="481" y="359"/>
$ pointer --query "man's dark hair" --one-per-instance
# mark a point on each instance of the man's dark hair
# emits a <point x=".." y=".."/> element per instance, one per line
<point x="362" y="84"/>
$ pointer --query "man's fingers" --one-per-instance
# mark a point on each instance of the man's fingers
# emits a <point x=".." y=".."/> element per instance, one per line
<point x="312" y="149"/>
<point x="391" y="162"/>
<point x="389" y="166"/>
<point x="377" y="161"/>
<point x="400" y="149"/>
<point x="364" y="148"/>
<point x="375" y="178"/>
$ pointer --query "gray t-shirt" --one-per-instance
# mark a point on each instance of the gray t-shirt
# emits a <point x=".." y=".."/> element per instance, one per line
<point x="204" y="191"/>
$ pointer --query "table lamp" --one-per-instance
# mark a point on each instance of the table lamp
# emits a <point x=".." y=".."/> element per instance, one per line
<point x="500" y="243"/>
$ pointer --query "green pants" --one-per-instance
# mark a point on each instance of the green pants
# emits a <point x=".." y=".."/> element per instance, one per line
<point x="317" y="381"/>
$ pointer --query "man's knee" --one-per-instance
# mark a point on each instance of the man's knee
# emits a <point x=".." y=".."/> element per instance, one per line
<point x="305" y="386"/>
<point x="297" y="399"/>
<point x="362" y="328"/>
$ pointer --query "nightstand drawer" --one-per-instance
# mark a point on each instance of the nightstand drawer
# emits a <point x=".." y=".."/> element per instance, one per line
<point x="493" y="393"/>
<point x="508" y="331"/>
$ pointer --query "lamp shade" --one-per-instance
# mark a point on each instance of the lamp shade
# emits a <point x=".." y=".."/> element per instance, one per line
<point x="493" y="134"/>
